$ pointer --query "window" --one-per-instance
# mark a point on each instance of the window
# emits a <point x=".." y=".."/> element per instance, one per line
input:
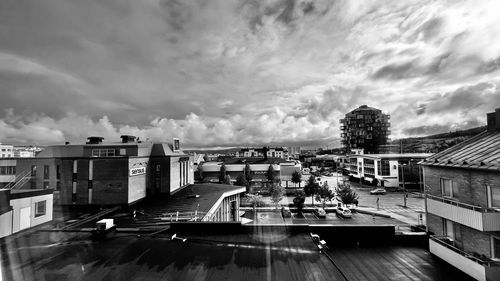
<point x="58" y="172"/>
<point x="40" y="208"/>
<point x="448" y="229"/>
<point x="495" y="247"/>
<point x="386" y="168"/>
<point x="46" y="172"/>
<point x="123" y="151"/>
<point x="103" y="152"/>
<point x="493" y="195"/>
<point x="33" y="170"/>
<point x="447" y="188"/>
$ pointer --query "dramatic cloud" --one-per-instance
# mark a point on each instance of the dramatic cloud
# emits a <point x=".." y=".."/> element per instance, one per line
<point x="223" y="73"/>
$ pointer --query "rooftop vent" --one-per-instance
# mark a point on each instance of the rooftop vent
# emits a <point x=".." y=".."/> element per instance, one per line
<point x="94" y="140"/>
<point x="127" y="138"/>
<point x="493" y="120"/>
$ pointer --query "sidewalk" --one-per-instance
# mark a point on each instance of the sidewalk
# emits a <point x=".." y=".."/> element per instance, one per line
<point x="374" y="211"/>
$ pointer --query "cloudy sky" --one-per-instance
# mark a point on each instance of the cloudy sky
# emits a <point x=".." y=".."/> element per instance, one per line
<point x="222" y="73"/>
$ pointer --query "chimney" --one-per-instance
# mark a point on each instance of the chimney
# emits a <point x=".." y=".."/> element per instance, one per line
<point x="127" y="138"/>
<point x="493" y="120"/>
<point x="94" y="140"/>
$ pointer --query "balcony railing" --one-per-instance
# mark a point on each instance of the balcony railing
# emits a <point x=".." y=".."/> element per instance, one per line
<point x="480" y="268"/>
<point x="460" y="204"/>
<point x="446" y="242"/>
<point x="477" y="217"/>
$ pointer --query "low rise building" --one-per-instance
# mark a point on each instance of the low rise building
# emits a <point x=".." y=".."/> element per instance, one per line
<point x="258" y="166"/>
<point x="388" y="170"/>
<point x="6" y="150"/>
<point x="102" y="173"/>
<point x="22" y="209"/>
<point x="273" y="152"/>
<point x="463" y="203"/>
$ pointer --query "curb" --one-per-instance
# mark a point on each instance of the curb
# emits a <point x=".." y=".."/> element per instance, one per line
<point x="373" y="213"/>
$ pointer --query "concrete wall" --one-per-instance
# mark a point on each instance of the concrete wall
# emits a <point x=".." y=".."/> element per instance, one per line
<point x="110" y="181"/>
<point x="174" y="174"/>
<point x="471" y="184"/>
<point x="6" y="224"/>
<point x="18" y="204"/>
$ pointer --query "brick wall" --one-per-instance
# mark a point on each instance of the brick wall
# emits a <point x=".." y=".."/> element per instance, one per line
<point x="435" y="224"/>
<point x="471" y="183"/>
<point x="475" y="241"/>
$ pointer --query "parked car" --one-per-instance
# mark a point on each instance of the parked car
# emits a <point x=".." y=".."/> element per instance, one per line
<point x="378" y="191"/>
<point x="344" y="212"/>
<point x="319" y="212"/>
<point x="285" y="212"/>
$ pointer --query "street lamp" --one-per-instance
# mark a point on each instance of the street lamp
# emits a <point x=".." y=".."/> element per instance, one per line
<point x="404" y="186"/>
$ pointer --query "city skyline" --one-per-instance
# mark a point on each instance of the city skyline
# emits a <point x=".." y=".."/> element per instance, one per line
<point x="242" y="72"/>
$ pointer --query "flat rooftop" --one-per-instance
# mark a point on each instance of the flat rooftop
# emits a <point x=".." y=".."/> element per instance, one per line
<point x="185" y="200"/>
<point x="242" y="256"/>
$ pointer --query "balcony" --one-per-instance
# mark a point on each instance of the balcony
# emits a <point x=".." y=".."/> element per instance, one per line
<point x="477" y="268"/>
<point x="477" y="217"/>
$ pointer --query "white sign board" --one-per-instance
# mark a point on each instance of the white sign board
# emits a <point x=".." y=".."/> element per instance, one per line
<point x="137" y="171"/>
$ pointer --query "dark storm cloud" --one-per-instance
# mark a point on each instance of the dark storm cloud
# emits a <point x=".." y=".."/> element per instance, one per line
<point x="202" y="69"/>
<point x="426" y="130"/>
<point x="482" y="95"/>
<point x="396" y="71"/>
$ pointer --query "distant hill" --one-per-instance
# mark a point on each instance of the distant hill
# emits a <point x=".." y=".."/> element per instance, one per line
<point x="214" y="151"/>
<point x="435" y="143"/>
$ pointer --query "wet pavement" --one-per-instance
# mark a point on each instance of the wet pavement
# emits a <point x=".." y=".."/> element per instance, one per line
<point x="255" y="255"/>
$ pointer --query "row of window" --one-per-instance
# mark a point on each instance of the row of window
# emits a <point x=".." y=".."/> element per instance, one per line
<point x="46" y="171"/>
<point x="449" y="189"/>
<point x="7" y="170"/>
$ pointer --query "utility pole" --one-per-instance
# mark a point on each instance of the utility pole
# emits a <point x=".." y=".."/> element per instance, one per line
<point x="404" y="186"/>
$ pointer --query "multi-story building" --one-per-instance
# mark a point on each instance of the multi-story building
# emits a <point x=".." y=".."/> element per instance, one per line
<point x="102" y="173"/>
<point x="273" y="152"/>
<point x="6" y="150"/>
<point x="26" y="151"/>
<point x="463" y="203"/>
<point x="389" y="170"/>
<point x="365" y="127"/>
<point x="294" y="151"/>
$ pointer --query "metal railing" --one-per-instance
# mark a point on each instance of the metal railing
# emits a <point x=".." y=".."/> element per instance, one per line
<point x="460" y="204"/>
<point x="20" y="180"/>
<point x="446" y="242"/>
<point x="183" y="216"/>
